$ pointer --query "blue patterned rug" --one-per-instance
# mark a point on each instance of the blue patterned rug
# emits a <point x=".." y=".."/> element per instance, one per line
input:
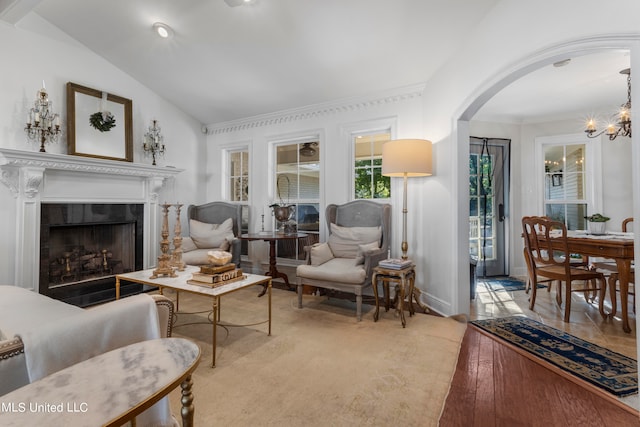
<point x="606" y="369"/>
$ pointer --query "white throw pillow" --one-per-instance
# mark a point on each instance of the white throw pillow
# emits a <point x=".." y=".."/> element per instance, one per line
<point x="207" y="235"/>
<point x="188" y="245"/>
<point x="365" y="249"/>
<point x="344" y="241"/>
<point x="320" y="253"/>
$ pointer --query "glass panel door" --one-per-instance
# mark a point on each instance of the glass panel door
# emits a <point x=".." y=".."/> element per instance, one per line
<point x="488" y="187"/>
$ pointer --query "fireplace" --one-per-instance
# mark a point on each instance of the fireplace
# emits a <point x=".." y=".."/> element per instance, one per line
<point x="82" y="247"/>
<point x="85" y="190"/>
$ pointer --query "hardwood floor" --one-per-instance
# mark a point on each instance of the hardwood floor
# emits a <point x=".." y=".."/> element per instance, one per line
<point x="496" y="386"/>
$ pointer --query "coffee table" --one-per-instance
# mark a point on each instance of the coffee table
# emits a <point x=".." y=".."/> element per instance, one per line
<point x="109" y="389"/>
<point x="179" y="284"/>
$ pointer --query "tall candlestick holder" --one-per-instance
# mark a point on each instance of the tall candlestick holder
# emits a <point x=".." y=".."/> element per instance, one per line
<point x="176" y="255"/>
<point x="42" y="123"/>
<point x="164" y="260"/>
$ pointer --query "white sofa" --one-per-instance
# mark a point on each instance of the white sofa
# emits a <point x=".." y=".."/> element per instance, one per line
<point x="57" y="329"/>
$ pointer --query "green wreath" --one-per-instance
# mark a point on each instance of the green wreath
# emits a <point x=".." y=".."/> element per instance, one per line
<point x="102" y="121"/>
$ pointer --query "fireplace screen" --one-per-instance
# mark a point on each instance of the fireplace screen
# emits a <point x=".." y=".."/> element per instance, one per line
<point x="87" y="252"/>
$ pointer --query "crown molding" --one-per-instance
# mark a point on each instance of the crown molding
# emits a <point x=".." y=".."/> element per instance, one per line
<point x="319" y="110"/>
<point x="20" y="158"/>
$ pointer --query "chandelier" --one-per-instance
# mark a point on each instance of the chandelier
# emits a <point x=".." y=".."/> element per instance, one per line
<point x="42" y="123"/>
<point x="153" y="141"/>
<point x="623" y="126"/>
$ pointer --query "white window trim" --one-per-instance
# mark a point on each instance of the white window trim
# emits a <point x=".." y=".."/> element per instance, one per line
<point x="224" y="169"/>
<point x="593" y="167"/>
<point x="297" y="138"/>
<point x="349" y="131"/>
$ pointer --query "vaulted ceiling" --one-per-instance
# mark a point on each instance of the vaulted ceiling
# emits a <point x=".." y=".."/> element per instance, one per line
<point x="224" y="63"/>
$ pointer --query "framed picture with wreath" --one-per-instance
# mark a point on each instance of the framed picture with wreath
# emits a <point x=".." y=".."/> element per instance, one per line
<point x="98" y="124"/>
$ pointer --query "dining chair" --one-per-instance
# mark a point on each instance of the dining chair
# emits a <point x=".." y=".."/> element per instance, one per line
<point x="549" y="257"/>
<point x="583" y="261"/>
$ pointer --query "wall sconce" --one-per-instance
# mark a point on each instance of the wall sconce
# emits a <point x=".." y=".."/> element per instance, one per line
<point x="42" y="122"/>
<point x="153" y="142"/>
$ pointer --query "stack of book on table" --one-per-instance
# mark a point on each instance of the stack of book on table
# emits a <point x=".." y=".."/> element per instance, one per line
<point x="395" y="263"/>
<point x="214" y="275"/>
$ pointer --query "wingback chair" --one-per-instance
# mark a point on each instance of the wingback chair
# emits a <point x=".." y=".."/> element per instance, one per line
<point x="359" y="236"/>
<point x="205" y="233"/>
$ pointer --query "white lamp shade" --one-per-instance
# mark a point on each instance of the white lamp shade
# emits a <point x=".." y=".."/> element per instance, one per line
<point x="406" y="156"/>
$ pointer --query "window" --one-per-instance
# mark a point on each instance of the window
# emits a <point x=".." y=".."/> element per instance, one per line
<point x="569" y="172"/>
<point x="238" y="186"/>
<point x="565" y="195"/>
<point x="369" y="183"/>
<point x="238" y="176"/>
<point x="297" y="183"/>
<point x="481" y="216"/>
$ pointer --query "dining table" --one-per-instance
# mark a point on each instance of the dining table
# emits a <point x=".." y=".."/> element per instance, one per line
<point x="617" y="246"/>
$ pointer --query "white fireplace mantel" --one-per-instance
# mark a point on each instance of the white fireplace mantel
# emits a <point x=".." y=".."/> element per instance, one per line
<point x="12" y="161"/>
<point x="35" y="178"/>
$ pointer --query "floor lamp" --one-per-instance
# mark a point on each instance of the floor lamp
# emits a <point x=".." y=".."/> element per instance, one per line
<point x="406" y="158"/>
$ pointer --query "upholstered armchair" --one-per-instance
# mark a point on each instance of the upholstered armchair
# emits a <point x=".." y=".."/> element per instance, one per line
<point x="359" y="236"/>
<point x="212" y="226"/>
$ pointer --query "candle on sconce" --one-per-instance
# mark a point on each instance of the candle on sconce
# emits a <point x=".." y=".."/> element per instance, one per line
<point x="610" y="129"/>
<point x="37" y="118"/>
<point x="591" y="126"/>
<point x="624" y="115"/>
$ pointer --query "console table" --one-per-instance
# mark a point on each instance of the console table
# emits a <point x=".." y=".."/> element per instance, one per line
<point x="109" y="389"/>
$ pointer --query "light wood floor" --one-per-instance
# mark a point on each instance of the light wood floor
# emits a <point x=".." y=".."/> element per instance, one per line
<point x="586" y="321"/>
<point x="496" y="386"/>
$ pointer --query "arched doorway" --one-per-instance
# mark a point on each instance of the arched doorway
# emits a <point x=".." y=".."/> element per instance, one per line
<point x="525" y="66"/>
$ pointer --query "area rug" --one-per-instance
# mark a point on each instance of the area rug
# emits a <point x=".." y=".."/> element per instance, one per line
<point x="320" y="366"/>
<point x="610" y="371"/>
<point x="507" y="284"/>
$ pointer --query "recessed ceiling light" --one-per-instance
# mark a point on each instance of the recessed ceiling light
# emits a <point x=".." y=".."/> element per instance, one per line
<point x="163" y="30"/>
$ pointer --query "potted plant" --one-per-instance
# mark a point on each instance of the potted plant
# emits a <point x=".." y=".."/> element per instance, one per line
<point x="597" y="223"/>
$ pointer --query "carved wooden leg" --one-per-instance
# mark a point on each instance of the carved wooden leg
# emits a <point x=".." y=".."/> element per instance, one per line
<point x="567" y="302"/>
<point x="187" y="402"/>
<point x="613" y="283"/>
<point x="374" y="282"/>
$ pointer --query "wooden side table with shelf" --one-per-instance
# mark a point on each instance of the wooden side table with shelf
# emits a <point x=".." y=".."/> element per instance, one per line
<point x="404" y="280"/>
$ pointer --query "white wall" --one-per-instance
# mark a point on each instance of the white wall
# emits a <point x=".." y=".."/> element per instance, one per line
<point x="332" y="123"/>
<point x="615" y="163"/>
<point x="514" y="39"/>
<point x="34" y="52"/>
